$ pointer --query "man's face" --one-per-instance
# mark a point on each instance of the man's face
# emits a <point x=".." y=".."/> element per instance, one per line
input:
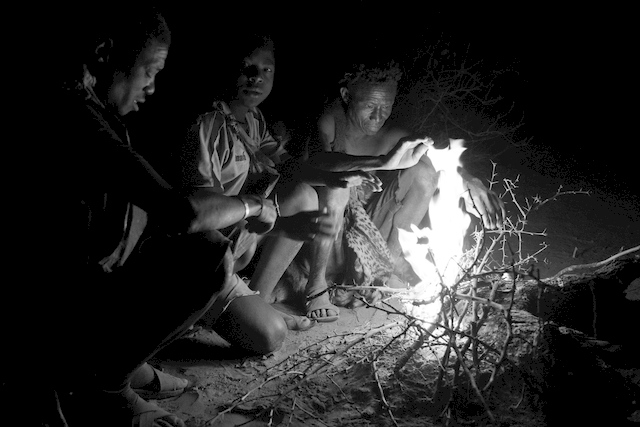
<point x="256" y="78"/>
<point x="130" y="88"/>
<point x="370" y="106"/>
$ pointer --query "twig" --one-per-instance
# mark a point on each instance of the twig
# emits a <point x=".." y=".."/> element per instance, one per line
<point x="293" y="408"/>
<point x="474" y="385"/>
<point x="315" y="417"/>
<point x="240" y="400"/>
<point x="323" y="366"/>
<point x="408" y="354"/>
<point x="381" y="391"/>
<point x="559" y="193"/>
<point x="344" y="394"/>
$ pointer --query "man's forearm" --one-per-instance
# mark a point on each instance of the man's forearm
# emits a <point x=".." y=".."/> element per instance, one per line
<point x="467" y="178"/>
<point x="216" y="211"/>
<point x="341" y="162"/>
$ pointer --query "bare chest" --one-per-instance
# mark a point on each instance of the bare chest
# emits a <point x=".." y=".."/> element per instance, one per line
<point x="368" y="145"/>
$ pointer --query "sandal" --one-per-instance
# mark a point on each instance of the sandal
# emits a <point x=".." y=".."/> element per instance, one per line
<point x="163" y="386"/>
<point x="149" y="415"/>
<point x="320" y="301"/>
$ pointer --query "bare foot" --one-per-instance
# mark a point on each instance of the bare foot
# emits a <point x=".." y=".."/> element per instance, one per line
<point x="294" y="322"/>
<point x="320" y="309"/>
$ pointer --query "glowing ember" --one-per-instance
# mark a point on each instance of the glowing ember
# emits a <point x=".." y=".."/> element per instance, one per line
<point x="437" y="260"/>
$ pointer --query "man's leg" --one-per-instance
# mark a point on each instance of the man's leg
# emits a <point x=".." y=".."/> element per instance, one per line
<point x="245" y="320"/>
<point x="279" y="251"/>
<point x="404" y="201"/>
<point x="126" y="313"/>
<point x="319" y="305"/>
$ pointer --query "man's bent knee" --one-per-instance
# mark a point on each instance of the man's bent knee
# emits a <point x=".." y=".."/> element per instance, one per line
<point x="272" y="336"/>
<point x="296" y="198"/>
<point x="335" y="199"/>
<point x="421" y="178"/>
<point x="253" y="325"/>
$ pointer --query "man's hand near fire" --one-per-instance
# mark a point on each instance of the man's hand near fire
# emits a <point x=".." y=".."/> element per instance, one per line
<point x="484" y="203"/>
<point x="406" y="153"/>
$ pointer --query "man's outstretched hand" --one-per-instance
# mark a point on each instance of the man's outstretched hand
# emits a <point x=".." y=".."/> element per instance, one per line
<point x="406" y="153"/>
<point x="342" y="179"/>
<point x="484" y="203"/>
<point x="354" y="179"/>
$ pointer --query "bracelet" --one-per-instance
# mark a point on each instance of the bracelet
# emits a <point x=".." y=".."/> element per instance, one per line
<point x="261" y="205"/>
<point x="246" y="207"/>
<point x="275" y="201"/>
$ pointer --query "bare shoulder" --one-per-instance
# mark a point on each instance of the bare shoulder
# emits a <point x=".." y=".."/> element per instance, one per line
<point x="332" y="114"/>
<point x="327" y="123"/>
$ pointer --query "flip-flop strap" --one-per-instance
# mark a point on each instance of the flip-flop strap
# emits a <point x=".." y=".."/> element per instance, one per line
<point x="167" y="382"/>
<point x="317" y="294"/>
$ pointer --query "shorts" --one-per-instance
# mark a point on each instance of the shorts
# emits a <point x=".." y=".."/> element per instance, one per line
<point x="382" y="206"/>
<point x="232" y="289"/>
<point x="241" y="239"/>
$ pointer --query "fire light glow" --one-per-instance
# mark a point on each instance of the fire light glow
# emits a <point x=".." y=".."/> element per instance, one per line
<point x="437" y="261"/>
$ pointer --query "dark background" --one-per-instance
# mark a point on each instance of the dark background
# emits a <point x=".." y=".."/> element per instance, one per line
<point x="571" y="71"/>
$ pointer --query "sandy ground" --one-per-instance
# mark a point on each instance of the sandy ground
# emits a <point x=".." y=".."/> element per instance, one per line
<point x="580" y="229"/>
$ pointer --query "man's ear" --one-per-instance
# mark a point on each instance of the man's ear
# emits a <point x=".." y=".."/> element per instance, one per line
<point x="345" y="95"/>
<point x="103" y="50"/>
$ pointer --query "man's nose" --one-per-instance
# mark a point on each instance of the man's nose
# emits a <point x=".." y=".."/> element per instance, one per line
<point x="151" y="87"/>
<point x="255" y="76"/>
<point x="376" y="114"/>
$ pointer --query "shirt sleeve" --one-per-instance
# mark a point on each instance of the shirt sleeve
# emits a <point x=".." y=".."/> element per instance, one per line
<point x="122" y="171"/>
<point x="204" y="156"/>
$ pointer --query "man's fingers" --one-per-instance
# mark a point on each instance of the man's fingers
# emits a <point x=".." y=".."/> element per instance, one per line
<point x="426" y="141"/>
<point x="422" y="149"/>
<point x="490" y="211"/>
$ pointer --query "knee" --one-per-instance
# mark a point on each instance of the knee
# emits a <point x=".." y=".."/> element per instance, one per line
<point x="272" y="335"/>
<point x="300" y="197"/>
<point x="249" y="326"/>
<point x="422" y="178"/>
<point x="335" y="199"/>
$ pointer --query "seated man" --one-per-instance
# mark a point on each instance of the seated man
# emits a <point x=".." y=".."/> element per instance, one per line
<point x="350" y="132"/>
<point x="123" y="243"/>
<point x="231" y="152"/>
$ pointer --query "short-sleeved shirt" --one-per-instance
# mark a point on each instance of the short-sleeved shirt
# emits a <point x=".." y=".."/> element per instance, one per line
<point x="96" y="169"/>
<point x="223" y="161"/>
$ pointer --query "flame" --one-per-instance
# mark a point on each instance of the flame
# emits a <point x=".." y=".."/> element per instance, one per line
<point x="437" y="262"/>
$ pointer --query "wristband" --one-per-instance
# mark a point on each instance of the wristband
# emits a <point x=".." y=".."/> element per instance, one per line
<point x="246" y="208"/>
<point x="275" y="201"/>
<point x="261" y="205"/>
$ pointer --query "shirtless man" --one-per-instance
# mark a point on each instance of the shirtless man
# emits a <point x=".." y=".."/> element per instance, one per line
<point x="352" y="136"/>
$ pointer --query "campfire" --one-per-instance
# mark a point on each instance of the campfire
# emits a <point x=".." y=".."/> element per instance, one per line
<point x="436" y="252"/>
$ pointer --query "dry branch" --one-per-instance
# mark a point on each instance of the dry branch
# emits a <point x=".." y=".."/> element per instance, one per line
<point x="592" y="265"/>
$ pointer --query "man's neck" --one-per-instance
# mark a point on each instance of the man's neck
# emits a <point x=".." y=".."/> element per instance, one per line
<point x="238" y="110"/>
<point x="352" y="131"/>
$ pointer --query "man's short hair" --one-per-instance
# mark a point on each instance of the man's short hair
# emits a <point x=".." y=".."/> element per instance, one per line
<point x="232" y="55"/>
<point x="367" y="75"/>
<point x="131" y="32"/>
<point x="255" y="41"/>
